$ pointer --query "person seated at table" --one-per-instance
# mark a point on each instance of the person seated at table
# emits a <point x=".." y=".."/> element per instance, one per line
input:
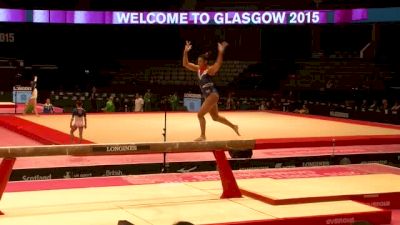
<point x="48" y="107"/>
<point x="385" y="106"/>
<point x="395" y="108"/>
<point x="374" y="106"/>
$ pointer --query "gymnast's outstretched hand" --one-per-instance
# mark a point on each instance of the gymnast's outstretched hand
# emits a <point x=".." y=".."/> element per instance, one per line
<point x="188" y="46"/>
<point x="222" y="46"/>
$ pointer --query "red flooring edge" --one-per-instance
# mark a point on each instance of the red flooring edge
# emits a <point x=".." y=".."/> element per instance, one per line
<point x="337" y="119"/>
<point x="327" y="141"/>
<point x="35" y="131"/>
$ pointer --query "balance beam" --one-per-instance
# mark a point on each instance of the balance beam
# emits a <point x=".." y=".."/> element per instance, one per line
<point x="228" y="181"/>
<point x="124" y="148"/>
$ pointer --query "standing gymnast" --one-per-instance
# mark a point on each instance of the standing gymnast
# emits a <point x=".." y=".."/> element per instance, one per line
<point x="30" y="106"/>
<point x="209" y="92"/>
<point x="79" y="119"/>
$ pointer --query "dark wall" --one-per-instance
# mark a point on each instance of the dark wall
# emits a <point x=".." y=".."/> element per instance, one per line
<point x="59" y="42"/>
<point x="286" y="42"/>
<point x="351" y="37"/>
<point x="389" y="45"/>
<point x="85" y="42"/>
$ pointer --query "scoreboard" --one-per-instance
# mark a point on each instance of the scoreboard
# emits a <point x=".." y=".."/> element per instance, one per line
<point x="281" y="17"/>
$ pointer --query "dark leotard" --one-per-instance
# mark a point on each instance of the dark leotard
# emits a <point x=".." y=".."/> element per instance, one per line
<point x="79" y="114"/>
<point x="206" y="84"/>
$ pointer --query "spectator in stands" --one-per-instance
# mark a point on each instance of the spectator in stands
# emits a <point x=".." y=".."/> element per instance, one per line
<point x="396" y="107"/>
<point x="269" y="105"/>
<point x="349" y="104"/>
<point x="118" y="105"/>
<point x="93" y="102"/>
<point x="364" y="105"/>
<point x="133" y="104"/>
<point x="48" y="107"/>
<point x="329" y="84"/>
<point x="291" y="96"/>
<point x="245" y="104"/>
<point x="366" y="83"/>
<point x="304" y="110"/>
<point x="230" y="104"/>
<point x="147" y="100"/>
<point x="385" y="106"/>
<point x="275" y="105"/>
<point x="263" y="106"/>
<point x="139" y="102"/>
<point x="237" y="105"/>
<point x="78" y="121"/>
<point x="110" y="107"/>
<point x="127" y="105"/>
<point x="164" y="103"/>
<point x="374" y="106"/>
<point x="174" y="101"/>
<point x="292" y="105"/>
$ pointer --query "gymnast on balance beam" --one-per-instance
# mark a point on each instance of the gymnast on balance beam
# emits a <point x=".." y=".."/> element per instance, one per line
<point x="208" y="90"/>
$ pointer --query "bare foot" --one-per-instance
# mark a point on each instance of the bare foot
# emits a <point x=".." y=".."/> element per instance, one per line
<point x="201" y="138"/>
<point x="236" y="129"/>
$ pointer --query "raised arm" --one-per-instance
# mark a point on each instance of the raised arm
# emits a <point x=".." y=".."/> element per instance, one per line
<point x="185" y="59"/>
<point x="218" y="63"/>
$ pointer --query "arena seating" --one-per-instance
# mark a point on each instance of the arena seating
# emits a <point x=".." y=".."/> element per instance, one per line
<point x="346" y="74"/>
<point x="172" y="72"/>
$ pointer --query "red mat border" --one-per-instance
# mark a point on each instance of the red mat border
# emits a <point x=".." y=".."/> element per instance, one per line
<point x="326" y="141"/>
<point x="7" y="122"/>
<point x="40" y="133"/>
<point x="336" y="119"/>
<point x="9" y="106"/>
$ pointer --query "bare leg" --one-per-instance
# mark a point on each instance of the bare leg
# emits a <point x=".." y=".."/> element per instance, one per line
<point x="210" y="101"/>
<point x="216" y="117"/>
<point x="34" y="108"/>
<point x="80" y="134"/>
<point x="27" y="105"/>
<point x="73" y="129"/>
